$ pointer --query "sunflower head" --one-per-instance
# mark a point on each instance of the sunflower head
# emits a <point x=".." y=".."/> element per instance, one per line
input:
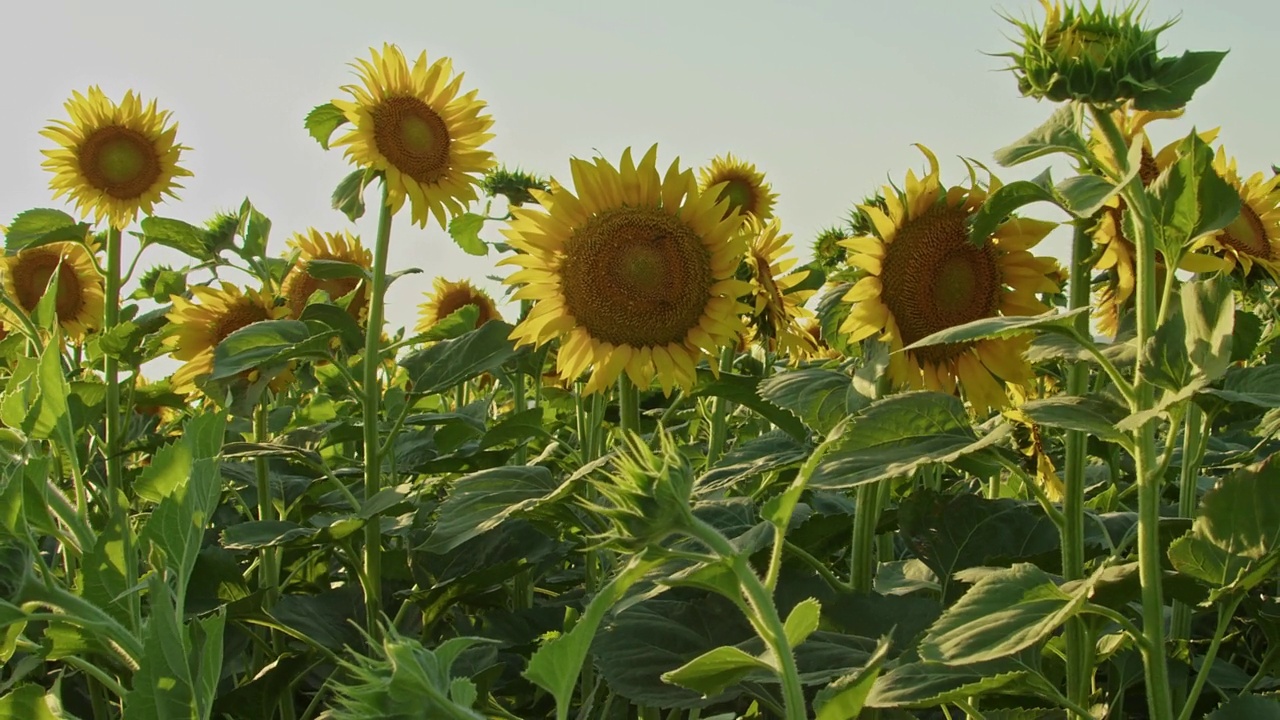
<point x="776" y="306"/>
<point x="826" y="247"/>
<point x="647" y="496"/>
<point x="448" y="297"/>
<point x="113" y="160"/>
<point x="924" y="276"/>
<point x="81" y="298"/>
<point x="1250" y="244"/>
<point x="744" y="187"/>
<point x="411" y="124"/>
<point x="634" y="272"/>
<point x="304" y="279"/>
<point x="200" y="324"/>
<point x="514" y="185"/>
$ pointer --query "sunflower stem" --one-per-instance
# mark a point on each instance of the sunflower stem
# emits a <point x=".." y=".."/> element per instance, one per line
<point x="1193" y="433"/>
<point x="1079" y="644"/>
<point x="862" y="558"/>
<point x="372" y="397"/>
<point x="628" y="406"/>
<point x="720" y="413"/>
<point x="269" y="570"/>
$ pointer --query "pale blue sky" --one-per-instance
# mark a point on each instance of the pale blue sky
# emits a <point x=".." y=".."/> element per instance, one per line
<point x="825" y="96"/>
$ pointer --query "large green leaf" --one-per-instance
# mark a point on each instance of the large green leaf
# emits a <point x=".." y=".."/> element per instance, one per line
<point x="1247" y="707"/>
<point x="1208" y="313"/>
<point x="769" y="452"/>
<point x="447" y="363"/>
<point x="40" y="226"/>
<point x="818" y="396"/>
<point x="1177" y="79"/>
<point x="895" y="436"/>
<point x="715" y="670"/>
<point x="845" y="697"/>
<point x="1056" y="135"/>
<point x="36" y="398"/>
<point x="1003" y="326"/>
<point x="483" y="500"/>
<point x="465" y="231"/>
<point x="322" y="121"/>
<point x="1256" y="385"/>
<point x="183" y="237"/>
<point x="744" y="390"/>
<point x="102" y="575"/>
<point x="30" y="702"/>
<point x="1189" y="199"/>
<point x="1097" y="416"/>
<point x="268" y="342"/>
<point x="181" y="665"/>
<point x="927" y="684"/>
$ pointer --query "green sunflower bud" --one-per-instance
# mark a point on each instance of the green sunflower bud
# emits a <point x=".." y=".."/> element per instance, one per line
<point x="647" y="495"/>
<point x="513" y="184"/>
<point x="826" y="250"/>
<point x="1102" y="58"/>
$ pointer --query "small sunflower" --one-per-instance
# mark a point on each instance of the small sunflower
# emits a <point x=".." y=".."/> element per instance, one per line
<point x="113" y="160"/>
<point x="81" y="297"/>
<point x="1253" y="238"/>
<point x="634" y="273"/>
<point x="744" y="186"/>
<point x="411" y="124"/>
<point x="449" y="297"/>
<point x="924" y="276"/>
<point x="200" y="324"/>
<point x="299" y="284"/>
<point x="776" y="307"/>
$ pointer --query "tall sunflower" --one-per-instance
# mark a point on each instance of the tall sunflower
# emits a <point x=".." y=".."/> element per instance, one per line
<point x="81" y="298"/>
<point x="744" y="186"/>
<point x="1253" y="238"/>
<point x="113" y="160"/>
<point x="200" y="324"/>
<point x="449" y="297"/>
<point x="777" y="308"/>
<point x="924" y="276"/>
<point x="411" y="124"/>
<point x="634" y="273"/>
<point x="300" y="284"/>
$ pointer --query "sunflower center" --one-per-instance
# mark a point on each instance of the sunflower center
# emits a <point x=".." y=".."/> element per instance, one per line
<point x="241" y="314"/>
<point x="636" y="276"/>
<point x="1148" y="170"/>
<point x="120" y="162"/>
<point x="1248" y="235"/>
<point x="413" y="138"/>
<point x="741" y="195"/>
<point x="934" y="278"/>
<point x="33" y="276"/>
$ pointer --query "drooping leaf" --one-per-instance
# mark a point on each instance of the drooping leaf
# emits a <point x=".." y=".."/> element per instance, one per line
<point x="1208" y="313"/>
<point x="744" y="390"/>
<point x="181" y="236"/>
<point x="465" y="231"/>
<point x="1097" y="416"/>
<point x="447" y="363"/>
<point x="1177" y="79"/>
<point x="1189" y="199"/>
<point x="1003" y="326"/>
<point x="30" y="702"/>
<point x="268" y="342"/>
<point x="348" y="195"/>
<point x="322" y="121"/>
<point x="818" y="396"/>
<point x="927" y="684"/>
<point x="845" y="697"/>
<point x="769" y="452"/>
<point x="1057" y="134"/>
<point x="41" y="226"/>
<point x="483" y="500"/>
<point x="713" y="671"/>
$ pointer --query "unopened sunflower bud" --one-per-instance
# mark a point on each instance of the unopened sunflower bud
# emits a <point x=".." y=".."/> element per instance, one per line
<point x="647" y="495"/>
<point x="513" y="184"/>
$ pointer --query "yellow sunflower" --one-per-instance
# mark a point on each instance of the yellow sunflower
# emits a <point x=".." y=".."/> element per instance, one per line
<point x="113" y="160"/>
<point x="299" y="284"/>
<point x="449" y="297"/>
<point x="200" y="324"/>
<point x="634" y="273"/>
<point x="813" y="328"/>
<point x="924" y="276"/>
<point x="411" y="124"/>
<point x="81" y="298"/>
<point x="776" y="307"/>
<point x="744" y="186"/>
<point x="1253" y="238"/>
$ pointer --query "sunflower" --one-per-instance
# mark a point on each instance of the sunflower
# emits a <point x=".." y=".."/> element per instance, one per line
<point x="744" y="186"/>
<point x="1253" y="238"/>
<point x="201" y="324"/>
<point x="924" y="276"/>
<point x="449" y="297"/>
<point x="299" y="284"/>
<point x="812" y="326"/>
<point x="635" y="272"/>
<point x="113" y="160"/>
<point x="81" y="298"/>
<point x="412" y="125"/>
<point x="776" y="307"/>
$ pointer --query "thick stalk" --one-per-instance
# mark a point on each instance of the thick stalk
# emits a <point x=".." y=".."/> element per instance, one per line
<point x="719" y="414"/>
<point x="116" y="498"/>
<point x="1079" y="644"/>
<point x="628" y="405"/>
<point x="372" y="396"/>
<point x="1192" y="447"/>
<point x="1225" y="612"/>
<point x="517" y="399"/>
<point x="862" y="551"/>
<point x="269" y="567"/>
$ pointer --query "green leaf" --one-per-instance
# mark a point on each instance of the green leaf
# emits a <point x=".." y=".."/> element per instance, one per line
<point x="336" y="269"/>
<point x="178" y="522"/>
<point x="518" y="428"/>
<point x="465" y="231"/>
<point x="322" y="121"/>
<point x="448" y="363"/>
<point x="329" y="618"/>
<point x="1057" y="135"/>
<point x="455" y="324"/>
<point x="30" y="702"/>
<point x="1247" y="707"/>
<point x="1097" y="416"/>
<point x="483" y="500"/>
<point x="348" y="196"/>
<point x="1177" y="79"/>
<point x="895" y="436"/>
<point x="818" y="396"/>
<point x="267" y="342"/>
<point x="160" y="283"/>
<point x="744" y="390"/>
<point x="845" y="697"/>
<point x="927" y="684"/>
<point x="1189" y="199"/>
<point x="1081" y="196"/>
<point x="802" y="621"/>
<point x="713" y="671"/>
<point x="1003" y="326"/>
<point x="254" y="229"/>
<point x="1208" y="313"/>
<point x="40" y="226"/>
<point x="1247" y="335"/>
<point x="1257" y="385"/>
<point x="102" y="575"/>
<point x="176" y="234"/>
<point x="337" y="320"/>
<point x="771" y="451"/>
<point x="36" y="400"/>
<point x="169" y="469"/>
<point x="257" y="534"/>
<point x="1005" y="612"/>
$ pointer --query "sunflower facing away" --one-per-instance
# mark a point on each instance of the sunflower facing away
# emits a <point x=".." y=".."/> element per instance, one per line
<point x="923" y="276"/>
<point x="634" y="273"/>
<point x="80" y="301"/>
<point x="1253" y="238"/>
<point x="113" y="160"/>
<point x="411" y="124"/>
<point x="744" y="188"/>
<point x="200" y="324"/>
<point x="299" y="284"/>
<point x="776" y="308"/>
<point x="448" y="297"/>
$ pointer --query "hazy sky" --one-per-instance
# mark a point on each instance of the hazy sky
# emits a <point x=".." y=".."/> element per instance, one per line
<point x="825" y="96"/>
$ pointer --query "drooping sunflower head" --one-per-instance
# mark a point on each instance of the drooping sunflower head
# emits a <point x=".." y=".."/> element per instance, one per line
<point x="744" y="186"/>
<point x="113" y="160"/>
<point x="826" y="247"/>
<point x="304" y="279"/>
<point x="634" y="272"/>
<point x="412" y="124"/>
<point x="923" y="276"/>
<point x="1252" y="240"/>
<point x="776" y="306"/>
<point x="514" y="185"/>
<point x="80" y="295"/>
<point x="201" y="323"/>
<point x="448" y="297"/>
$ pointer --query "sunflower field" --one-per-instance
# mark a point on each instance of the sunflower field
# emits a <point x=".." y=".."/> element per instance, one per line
<point x="675" y="473"/>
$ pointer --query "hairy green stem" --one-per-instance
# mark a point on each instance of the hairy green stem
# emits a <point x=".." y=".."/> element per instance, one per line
<point x="719" y="432"/>
<point x="1079" y="644"/>
<point x="862" y="557"/>
<point x="1225" y="612"/>
<point x="372" y="396"/>
<point x="628" y="405"/>
<point x="1192" y="447"/>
